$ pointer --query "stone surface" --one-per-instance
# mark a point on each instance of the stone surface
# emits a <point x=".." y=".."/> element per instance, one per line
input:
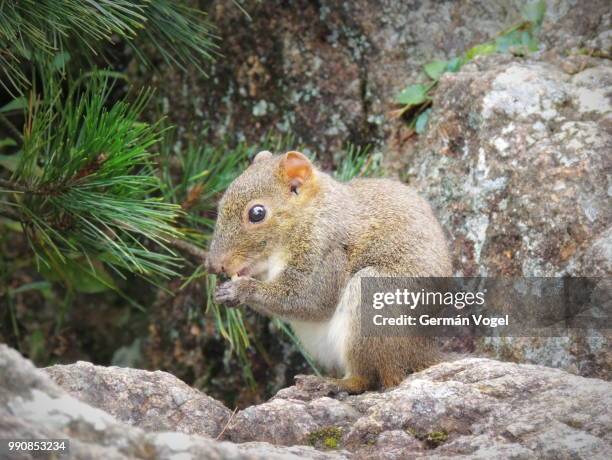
<point x="474" y="407"/>
<point x="155" y="401"/>
<point x="516" y="161"/>
<point x="326" y="72"/>
<point x="471" y="407"/>
<point x="33" y="406"/>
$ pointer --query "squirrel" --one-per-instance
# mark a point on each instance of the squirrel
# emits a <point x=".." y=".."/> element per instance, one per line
<point x="296" y="243"/>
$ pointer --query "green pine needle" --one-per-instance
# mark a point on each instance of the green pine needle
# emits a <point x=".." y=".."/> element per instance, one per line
<point x="42" y="31"/>
<point x="85" y="183"/>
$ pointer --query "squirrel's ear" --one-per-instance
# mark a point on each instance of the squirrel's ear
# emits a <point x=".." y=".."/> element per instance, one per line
<point x="296" y="169"/>
<point x="263" y="155"/>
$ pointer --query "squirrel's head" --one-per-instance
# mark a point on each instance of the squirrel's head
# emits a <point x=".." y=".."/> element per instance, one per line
<point x="259" y="214"/>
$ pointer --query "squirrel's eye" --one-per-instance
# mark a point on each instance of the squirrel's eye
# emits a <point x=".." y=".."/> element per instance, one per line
<point x="257" y="213"/>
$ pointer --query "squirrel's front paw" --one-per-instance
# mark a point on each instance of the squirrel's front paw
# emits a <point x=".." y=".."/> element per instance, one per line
<point x="232" y="293"/>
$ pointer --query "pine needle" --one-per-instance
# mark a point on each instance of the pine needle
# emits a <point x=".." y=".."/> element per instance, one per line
<point x="95" y="193"/>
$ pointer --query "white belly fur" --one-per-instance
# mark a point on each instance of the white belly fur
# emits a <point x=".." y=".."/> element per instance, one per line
<point x="326" y="341"/>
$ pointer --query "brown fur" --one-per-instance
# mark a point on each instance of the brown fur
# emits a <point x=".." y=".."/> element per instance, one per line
<point x="330" y="232"/>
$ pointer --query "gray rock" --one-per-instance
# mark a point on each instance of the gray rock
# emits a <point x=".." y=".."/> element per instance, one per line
<point x="33" y="406"/>
<point x="154" y="401"/>
<point x="326" y="72"/>
<point x="516" y="160"/>
<point x="473" y="407"/>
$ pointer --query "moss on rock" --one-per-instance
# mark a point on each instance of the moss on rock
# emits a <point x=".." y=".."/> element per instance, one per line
<point x="328" y="437"/>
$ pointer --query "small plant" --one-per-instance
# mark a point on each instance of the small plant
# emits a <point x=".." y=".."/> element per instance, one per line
<point x="358" y="162"/>
<point x="328" y="437"/>
<point x="520" y="39"/>
<point x="432" y="439"/>
<point x="435" y="438"/>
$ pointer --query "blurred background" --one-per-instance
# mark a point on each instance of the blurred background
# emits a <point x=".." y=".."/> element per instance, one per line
<point x="121" y="123"/>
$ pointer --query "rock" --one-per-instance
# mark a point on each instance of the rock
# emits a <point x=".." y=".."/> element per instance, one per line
<point x="33" y="406"/>
<point x="326" y="72"/>
<point x="516" y="161"/>
<point x="474" y="407"/>
<point x="153" y="401"/>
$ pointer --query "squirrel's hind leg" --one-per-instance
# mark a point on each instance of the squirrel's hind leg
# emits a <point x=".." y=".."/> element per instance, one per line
<point x="391" y="377"/>
<point x="330" y="386"/>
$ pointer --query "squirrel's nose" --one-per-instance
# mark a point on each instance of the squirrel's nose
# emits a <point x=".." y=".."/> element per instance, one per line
<point x="214" y="267"/>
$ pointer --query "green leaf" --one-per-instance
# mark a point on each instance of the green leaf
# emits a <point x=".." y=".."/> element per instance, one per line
<point x="25" y="53"/>
<point x="454" y="64"/>
<point x="412" y="95"/>
<point x="93" y="282"/>
<point x="357" y="162"/>
<point x="530" y="42"/>
<point x="421" y="122"/>
<point x="480" y="50"/>
<point x="19" y="103"/>
<point x="435" y="69"/>
<point x="60" y="60"/>
<point x="535" y="11"/>
<point x="11" y="225"/>
<point x="509" y="40"/>
<point x="519" y="42"/>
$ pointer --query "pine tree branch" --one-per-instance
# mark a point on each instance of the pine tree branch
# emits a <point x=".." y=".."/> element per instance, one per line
<point x="181" y="35"/>
<point x="11" y="215"/>
<point x="90" y="187"/>
<point x="13" y="186"/>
